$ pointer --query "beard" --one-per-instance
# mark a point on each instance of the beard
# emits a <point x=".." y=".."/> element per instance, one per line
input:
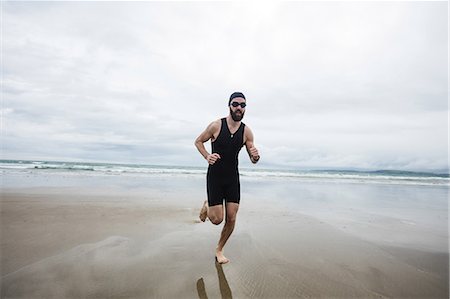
<point x="235" y="116"/>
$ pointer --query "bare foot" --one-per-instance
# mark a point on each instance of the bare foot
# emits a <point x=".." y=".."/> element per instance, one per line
<point x="220" y="258"/>
<point x="203" y="212"/>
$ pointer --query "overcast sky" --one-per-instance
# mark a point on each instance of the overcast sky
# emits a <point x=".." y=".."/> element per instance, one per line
<point x="328" y="85"/>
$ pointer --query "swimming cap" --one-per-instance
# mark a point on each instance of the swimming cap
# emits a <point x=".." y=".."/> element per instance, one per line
<point x="236" y="95"/>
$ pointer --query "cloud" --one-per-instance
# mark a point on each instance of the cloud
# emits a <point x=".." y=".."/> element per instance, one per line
<point x="336" y="84"/>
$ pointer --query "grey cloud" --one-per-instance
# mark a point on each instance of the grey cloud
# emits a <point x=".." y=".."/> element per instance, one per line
<point x="345" y="84"/>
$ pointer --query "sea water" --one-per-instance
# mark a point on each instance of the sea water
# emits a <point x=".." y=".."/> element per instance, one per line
<point x="11" y="168"/>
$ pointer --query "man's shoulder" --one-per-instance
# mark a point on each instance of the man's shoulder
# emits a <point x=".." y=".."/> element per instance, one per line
<point x="215" y="124"/>
<point x="246" y="127"/>
<point x="247" y="131"/>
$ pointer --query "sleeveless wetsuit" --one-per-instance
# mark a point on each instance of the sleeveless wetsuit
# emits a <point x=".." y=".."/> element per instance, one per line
<point x="222" y="180"/>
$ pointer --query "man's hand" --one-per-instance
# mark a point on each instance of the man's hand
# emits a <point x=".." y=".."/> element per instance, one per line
<point x="212" y="158"/>
<point x="254" y="154"/>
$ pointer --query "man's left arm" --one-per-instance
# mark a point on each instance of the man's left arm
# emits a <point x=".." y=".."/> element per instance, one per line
<point x="250" y="146"/>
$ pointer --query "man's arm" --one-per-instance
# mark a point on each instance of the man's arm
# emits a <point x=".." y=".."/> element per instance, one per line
<point x="250" y="146"/>
<point x="204" y="137"/>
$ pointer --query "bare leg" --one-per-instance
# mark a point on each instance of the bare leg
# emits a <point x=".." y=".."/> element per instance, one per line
<point x="215" y="214"/>
<point x="231" y="211"/>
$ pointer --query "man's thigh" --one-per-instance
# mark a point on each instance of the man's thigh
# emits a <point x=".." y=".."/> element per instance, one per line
<point x="232" y="209"/>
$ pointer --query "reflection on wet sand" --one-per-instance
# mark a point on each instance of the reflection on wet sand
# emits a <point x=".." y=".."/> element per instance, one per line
<point x="225" y="290"/>
<point x="201" y="289"/>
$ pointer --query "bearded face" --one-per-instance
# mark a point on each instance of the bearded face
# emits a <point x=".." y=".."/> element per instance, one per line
<point x="237" y="114"/>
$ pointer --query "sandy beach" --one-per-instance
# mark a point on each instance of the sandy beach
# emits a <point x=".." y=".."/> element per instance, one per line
<point x="111" y="242"/>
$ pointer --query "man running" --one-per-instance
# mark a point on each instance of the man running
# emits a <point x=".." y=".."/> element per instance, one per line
<point x="227" y="136"/>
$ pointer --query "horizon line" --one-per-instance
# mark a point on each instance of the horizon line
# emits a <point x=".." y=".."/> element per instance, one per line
<point x="271" y="166"/>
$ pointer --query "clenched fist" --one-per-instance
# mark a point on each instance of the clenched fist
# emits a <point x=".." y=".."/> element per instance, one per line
<point x="254" y="154"/>
<point x="212" y="158"/>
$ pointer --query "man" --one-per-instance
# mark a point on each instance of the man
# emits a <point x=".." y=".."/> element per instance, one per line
<point x="227" y="136"/>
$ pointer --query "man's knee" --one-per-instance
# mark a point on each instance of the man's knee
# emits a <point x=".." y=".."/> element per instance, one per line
<point x="231" y="219"/>
<point x="216" y="220"/>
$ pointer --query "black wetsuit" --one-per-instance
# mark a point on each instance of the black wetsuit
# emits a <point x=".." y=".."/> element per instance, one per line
<point x="223" y="176"/>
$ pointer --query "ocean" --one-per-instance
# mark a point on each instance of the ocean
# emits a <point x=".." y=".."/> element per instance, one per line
<point x="18" y="167"/>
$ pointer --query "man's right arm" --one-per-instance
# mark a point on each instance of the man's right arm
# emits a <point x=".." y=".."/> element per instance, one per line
<point x="204" y="137"/>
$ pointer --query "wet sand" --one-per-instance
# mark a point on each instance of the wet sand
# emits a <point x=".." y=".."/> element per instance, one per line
<point x="69" y="243"/>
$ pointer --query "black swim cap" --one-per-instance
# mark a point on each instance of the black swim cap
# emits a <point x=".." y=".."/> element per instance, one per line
<point x="236" y="95"/>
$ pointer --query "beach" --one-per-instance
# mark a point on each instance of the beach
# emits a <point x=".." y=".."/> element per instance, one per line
<point x="84" y="235"/>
